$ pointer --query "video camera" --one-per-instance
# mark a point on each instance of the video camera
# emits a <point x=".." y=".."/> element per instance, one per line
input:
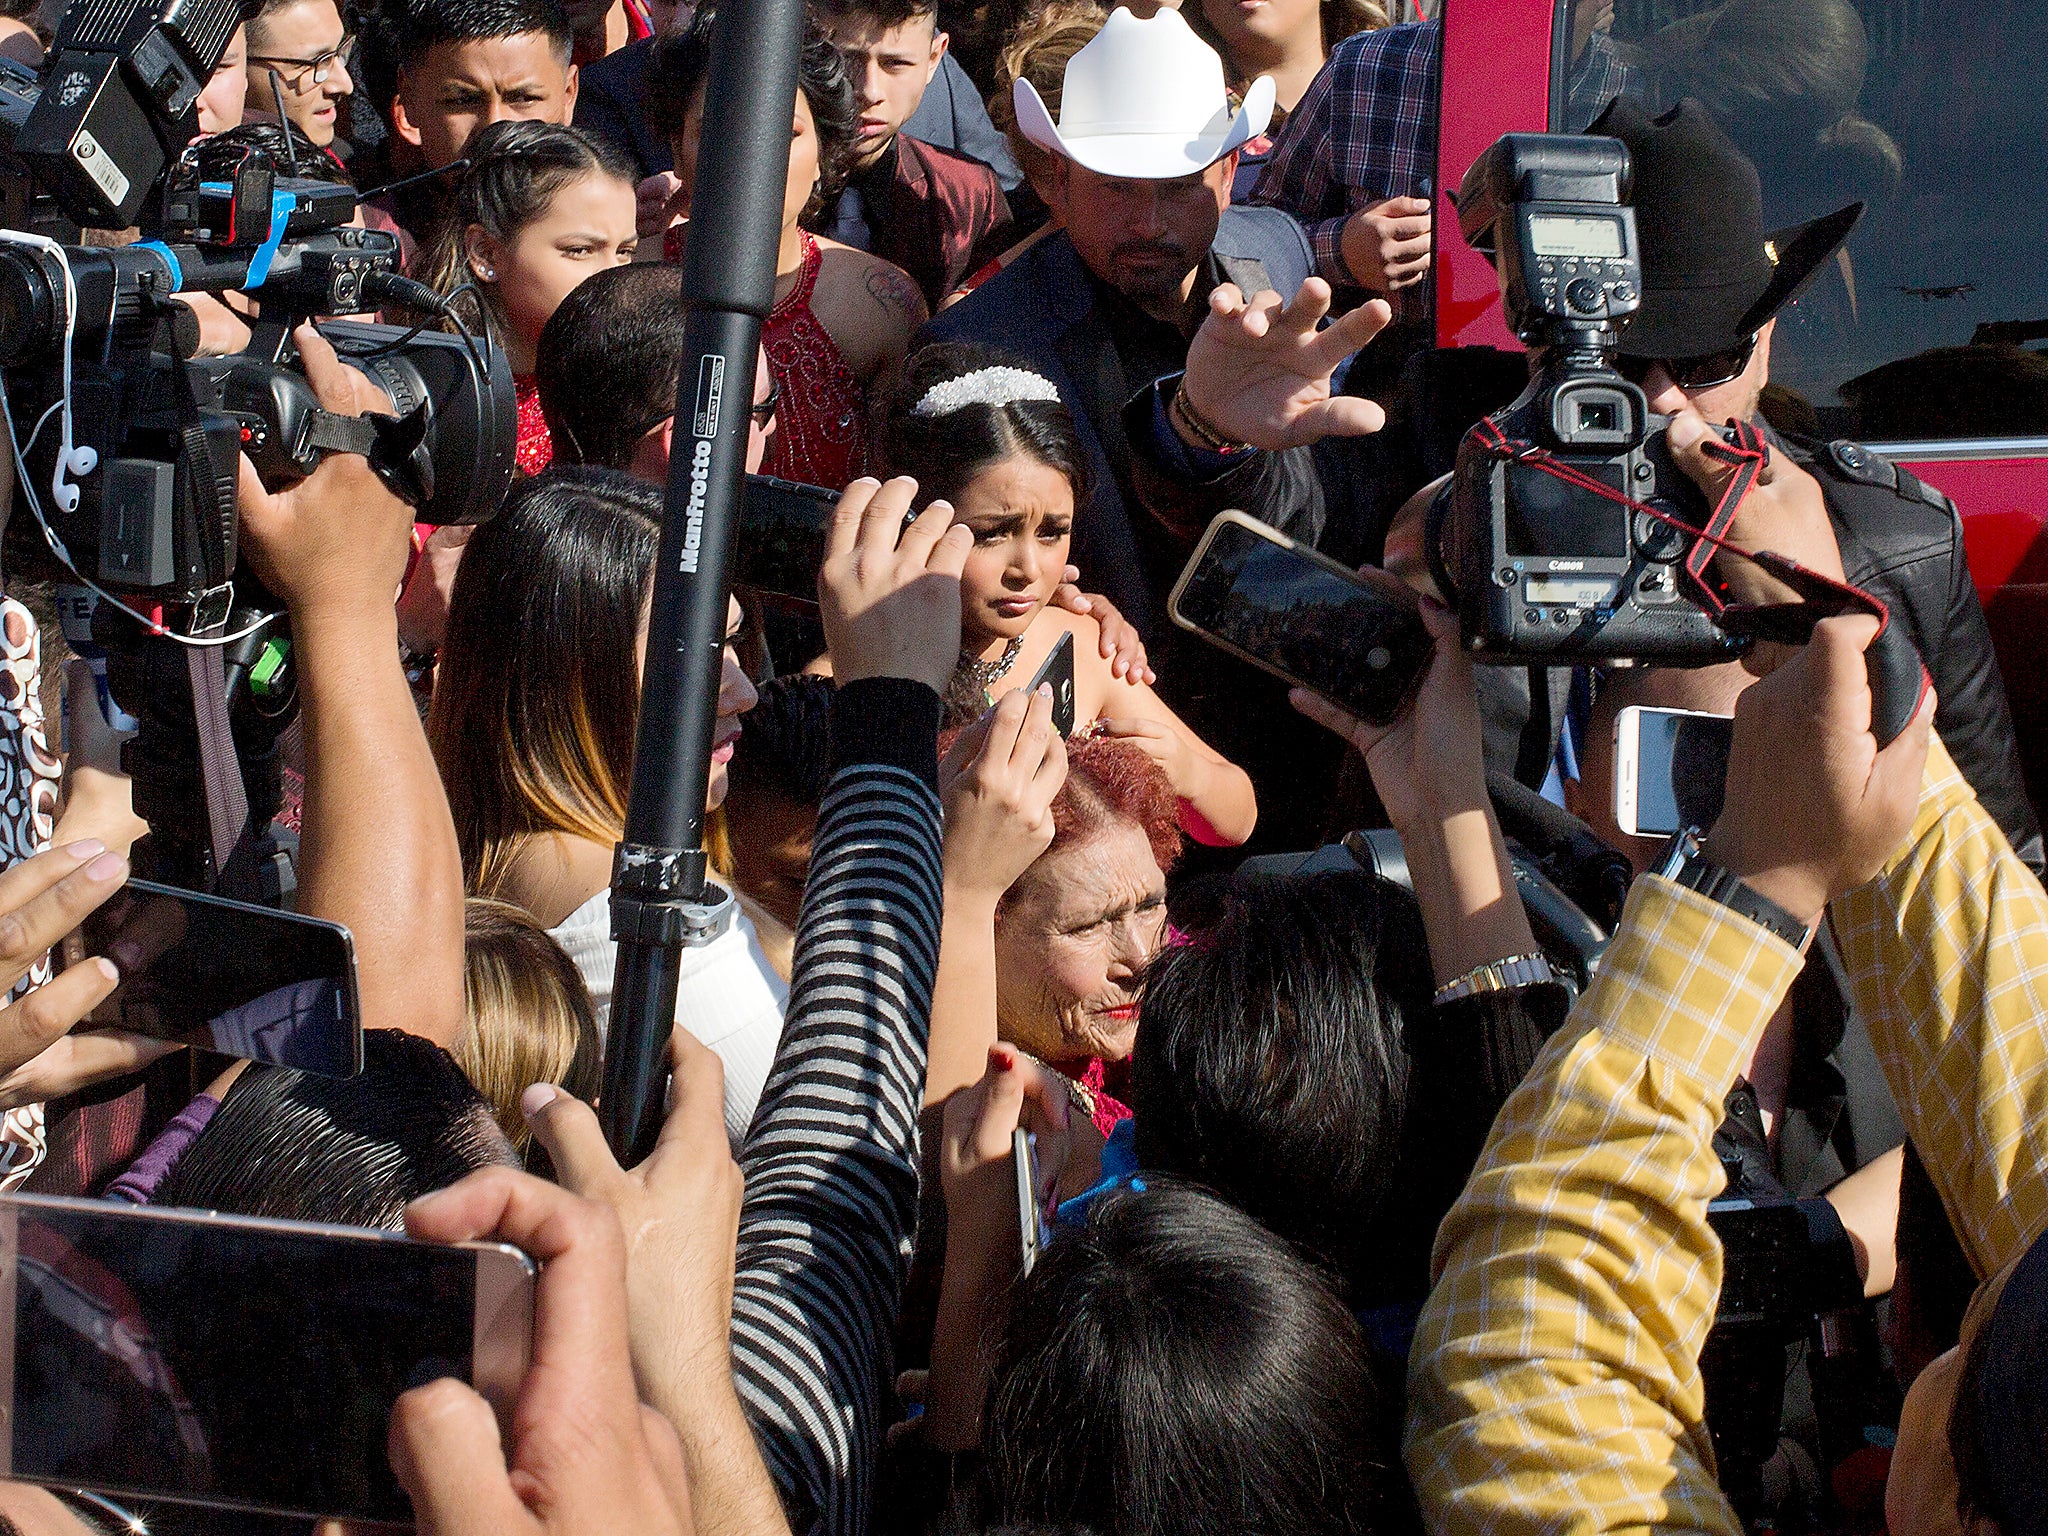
<point x="1535" y="538"/>
<point x="126" y="441"/>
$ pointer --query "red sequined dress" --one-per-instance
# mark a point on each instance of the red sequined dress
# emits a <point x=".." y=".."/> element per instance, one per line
<point x="536" y="448"/>
<point x="821" y="422"/>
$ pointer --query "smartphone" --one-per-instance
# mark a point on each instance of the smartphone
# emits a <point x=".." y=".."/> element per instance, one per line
<point x="1670" y="769"/>
<point x="236" y="1361"/>
<point x="782" y="533"/>
<point x="226" y="976"/>
<point x="1355" y="637"/>
<point x="1030" y="1221"/>
<point x="781" y="543"/>
<point x="1058" y="670"/>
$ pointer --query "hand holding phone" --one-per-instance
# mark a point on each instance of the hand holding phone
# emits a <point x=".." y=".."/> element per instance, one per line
<point x="587" y="1456"/>
<point x="237" y="1361"/>
<point x="1354" y="637"/>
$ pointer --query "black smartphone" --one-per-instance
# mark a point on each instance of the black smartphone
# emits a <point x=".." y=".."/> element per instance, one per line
<point x="1670" y="769"/>
<point x="225" y="976"/>
<point x="781" y="543"/>
<point x="1058" y="670"/>
<point x="235" y="1361"/>
<point x="1355" y="637"/>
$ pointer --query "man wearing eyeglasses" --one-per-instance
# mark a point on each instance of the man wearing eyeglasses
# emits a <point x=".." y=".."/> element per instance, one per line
<point x="299" y="57"/>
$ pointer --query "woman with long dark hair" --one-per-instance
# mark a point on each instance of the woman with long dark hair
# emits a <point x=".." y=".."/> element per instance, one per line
<point x="534" y="713"/>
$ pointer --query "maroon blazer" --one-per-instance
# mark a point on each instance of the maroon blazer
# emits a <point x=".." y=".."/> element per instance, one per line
<point x="942" y="207"/>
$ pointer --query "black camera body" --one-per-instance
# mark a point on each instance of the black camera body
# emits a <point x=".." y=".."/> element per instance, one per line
<point x="127" y="443"/>
<point x="1543" y="568"/>
<point x="119" y="101"/>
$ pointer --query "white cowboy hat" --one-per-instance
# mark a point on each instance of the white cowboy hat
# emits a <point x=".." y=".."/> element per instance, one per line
<point x="1145" y="100"/>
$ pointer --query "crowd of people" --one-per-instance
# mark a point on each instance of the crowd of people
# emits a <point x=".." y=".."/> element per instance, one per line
<point x="1356" y="1203"/>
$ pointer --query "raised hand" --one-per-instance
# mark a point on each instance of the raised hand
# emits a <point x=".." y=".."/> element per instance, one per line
<point x="338" y="540"/>
<point x="1259" y="372"/>
<point x="584" y="1454"/>
<point x="1427" y="762"/>
<point x="998" y="784"/>
<point x="680" y="1211"/>
<point x="1784" y="512"/>
<point x="41" y="900"/>
<point x="892" y="608"/>
<point x="1813" y="807"/>
<point x="1122" y="646"/>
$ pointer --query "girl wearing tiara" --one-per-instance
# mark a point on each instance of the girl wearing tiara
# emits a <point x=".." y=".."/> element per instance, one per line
<point x="990" y="436"/>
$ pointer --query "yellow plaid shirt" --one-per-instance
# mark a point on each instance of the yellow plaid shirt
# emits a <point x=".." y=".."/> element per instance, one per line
<point x="1554" y="1383"/>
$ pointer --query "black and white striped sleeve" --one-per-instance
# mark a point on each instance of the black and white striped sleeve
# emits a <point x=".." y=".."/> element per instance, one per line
<point x="831" y="1160"/>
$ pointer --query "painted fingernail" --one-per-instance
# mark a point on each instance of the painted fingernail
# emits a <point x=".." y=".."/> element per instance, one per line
<point x="106" y="867"/>
<point x="1045" y="690"/>
<point x="108" y="969"/>
<point x="537" y="1098"/>
<point x="85" y="850"/>
<point x="1002" y="1057"/>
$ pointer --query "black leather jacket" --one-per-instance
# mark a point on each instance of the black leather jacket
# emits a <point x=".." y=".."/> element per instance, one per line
<point x="1903" y="540"/>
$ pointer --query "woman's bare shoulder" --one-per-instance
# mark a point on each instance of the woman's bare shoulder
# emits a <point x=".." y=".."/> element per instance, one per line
<point x="870" y="306"/>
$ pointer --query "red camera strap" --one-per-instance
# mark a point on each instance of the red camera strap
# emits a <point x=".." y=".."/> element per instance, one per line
<point x="1822" y="596"/>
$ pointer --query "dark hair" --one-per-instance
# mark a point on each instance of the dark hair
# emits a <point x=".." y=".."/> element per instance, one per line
<point x="946" y="452"/>
<point x="538" y="696"/>
<point x="515" y="169"/>
<point x="882" y="15"/>
<point x="1172" y="1368"/>
<point x="351" y="1150"/>
<point x="786" y="748"/>
<point x="281" y="141"/>
<point x="606" y="363"/>
<point x="424" y="24"/>
<point x="1271" y="1064"/>
<point x="679" y="63"/>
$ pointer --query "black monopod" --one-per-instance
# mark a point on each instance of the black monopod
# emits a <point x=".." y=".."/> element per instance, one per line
<point x="661" y="900"/>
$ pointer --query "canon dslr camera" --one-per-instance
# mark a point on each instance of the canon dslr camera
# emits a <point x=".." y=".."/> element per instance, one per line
<point x="1544" y="568"/>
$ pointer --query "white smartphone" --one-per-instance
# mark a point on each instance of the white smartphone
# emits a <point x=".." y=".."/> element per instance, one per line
<point x="1670" y="767"/>
<point x="235" y="1361"/>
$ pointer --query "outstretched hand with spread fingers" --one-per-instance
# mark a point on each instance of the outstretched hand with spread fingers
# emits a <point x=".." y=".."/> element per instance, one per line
<point x="1259" y="370"/>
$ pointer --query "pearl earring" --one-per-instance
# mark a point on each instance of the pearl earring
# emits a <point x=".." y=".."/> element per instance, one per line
<point x="489" y="274"/>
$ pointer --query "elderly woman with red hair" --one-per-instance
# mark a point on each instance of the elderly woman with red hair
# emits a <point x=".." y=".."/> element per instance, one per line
<point x="1056" y="868"/>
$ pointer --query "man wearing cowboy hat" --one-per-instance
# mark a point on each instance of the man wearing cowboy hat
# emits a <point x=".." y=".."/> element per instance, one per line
<point x="1714" y="284"/>
<point x="1145" y="148"/>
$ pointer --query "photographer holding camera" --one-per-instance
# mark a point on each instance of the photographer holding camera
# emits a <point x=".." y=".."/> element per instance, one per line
<point x="1259" y="373"/>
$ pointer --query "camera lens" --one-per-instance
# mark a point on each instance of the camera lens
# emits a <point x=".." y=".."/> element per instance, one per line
<point x="31" y="304"/>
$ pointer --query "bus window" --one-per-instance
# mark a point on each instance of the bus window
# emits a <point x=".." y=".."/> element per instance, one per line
<point x="1932" y="322"/>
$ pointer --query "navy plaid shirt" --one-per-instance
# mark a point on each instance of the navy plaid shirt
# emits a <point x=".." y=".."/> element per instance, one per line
<point x="1366" y="130"/>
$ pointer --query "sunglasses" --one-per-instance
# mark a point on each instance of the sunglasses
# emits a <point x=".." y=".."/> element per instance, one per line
<point x="342" y="54"/>
<point x="1703" y="371"/>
